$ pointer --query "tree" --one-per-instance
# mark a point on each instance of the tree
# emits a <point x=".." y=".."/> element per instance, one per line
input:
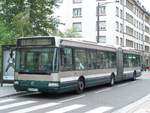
<point x="41" y="16"/>
<point x="71" y="33"/>
<point x="7" y="36"/>
<point x="29" y="17"/>
<point x="21" y="23"/>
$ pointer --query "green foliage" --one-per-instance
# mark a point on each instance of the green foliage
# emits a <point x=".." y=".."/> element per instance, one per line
<point x="21" y="23"/>
<point x="29" y="17"/>
<point x="7" y="36"/>
<point x="69" y="33"/>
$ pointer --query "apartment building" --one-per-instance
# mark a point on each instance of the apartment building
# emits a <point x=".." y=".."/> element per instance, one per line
<point x="125" y="23"/>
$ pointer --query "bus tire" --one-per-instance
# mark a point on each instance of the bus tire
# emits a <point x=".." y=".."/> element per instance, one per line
<point x="134" y="76"/>
<point x="112" y="80"/>
<point x="80" y="86"/>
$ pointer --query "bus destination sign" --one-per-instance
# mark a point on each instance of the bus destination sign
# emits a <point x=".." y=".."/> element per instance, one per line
<point x="36" y="42"/>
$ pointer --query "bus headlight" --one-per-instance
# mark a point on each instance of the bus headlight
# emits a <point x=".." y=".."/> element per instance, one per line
<point x="53" y="84"/>
<point x="16" y="82"/>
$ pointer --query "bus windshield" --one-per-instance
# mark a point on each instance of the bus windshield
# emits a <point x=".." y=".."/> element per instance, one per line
<point x="36" y="60"/>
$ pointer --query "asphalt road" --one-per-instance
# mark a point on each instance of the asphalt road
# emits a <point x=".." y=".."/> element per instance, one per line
<point x="100" y="99"/>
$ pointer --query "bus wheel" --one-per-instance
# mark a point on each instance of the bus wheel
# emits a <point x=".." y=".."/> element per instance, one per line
<point x="112" y="80"/>
<point x="80" y="86"/>
<point x="134" y="76"/>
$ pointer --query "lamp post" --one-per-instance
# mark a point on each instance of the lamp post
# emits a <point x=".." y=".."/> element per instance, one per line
<point x="98" y="17"/>
<point x="143" y="61"/>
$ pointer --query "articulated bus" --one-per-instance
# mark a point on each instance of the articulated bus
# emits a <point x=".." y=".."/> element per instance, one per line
<point x="55" y="65"/>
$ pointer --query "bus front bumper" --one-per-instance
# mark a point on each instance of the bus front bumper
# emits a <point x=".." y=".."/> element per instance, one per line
<point x="37" y="86"/>
<point x="44" y="86"/>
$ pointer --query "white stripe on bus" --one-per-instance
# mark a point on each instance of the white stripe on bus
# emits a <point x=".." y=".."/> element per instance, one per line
<point x="33" y="108"/>
<point x="65" y="79"/>
<point x="98" y="75"/>
<point x="125" y="72"/>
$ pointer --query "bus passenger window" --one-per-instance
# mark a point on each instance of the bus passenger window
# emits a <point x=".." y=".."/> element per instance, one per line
<point x="66" y="59"/>
<point x="80" y="59"/>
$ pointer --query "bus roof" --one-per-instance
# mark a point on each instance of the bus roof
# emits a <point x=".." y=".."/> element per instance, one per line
<point x="83" y="43"/>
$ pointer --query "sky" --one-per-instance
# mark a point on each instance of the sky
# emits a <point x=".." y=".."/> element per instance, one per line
<point x="146" y="4"/>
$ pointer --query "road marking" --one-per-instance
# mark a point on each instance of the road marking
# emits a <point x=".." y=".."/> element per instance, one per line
<point x="132" y="105"/>
<point x="15" y="104"/>
<point x="122" y="85"/>
<point x="141" y="111"/>
<point x="66" y="109"/>
<point x="104" y="90"/>
<point x="33" y="108"/>
<point x="71" y="99"/>
<point x="100" y="109"/>
<point x="7" y="100"/>
<point x="134" y="81"/>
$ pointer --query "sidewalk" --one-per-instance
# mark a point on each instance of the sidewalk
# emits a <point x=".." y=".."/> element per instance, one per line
<point x="7" y="90"/>
<point x="142" y="108"/>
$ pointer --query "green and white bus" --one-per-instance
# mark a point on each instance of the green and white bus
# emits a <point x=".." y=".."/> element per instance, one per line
<point x="54" y="65"/>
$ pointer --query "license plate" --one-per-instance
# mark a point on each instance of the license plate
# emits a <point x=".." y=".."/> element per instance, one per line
<point x="33" y="89"/>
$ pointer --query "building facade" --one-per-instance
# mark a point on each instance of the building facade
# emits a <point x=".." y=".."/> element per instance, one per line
<point x="125" y="23"/>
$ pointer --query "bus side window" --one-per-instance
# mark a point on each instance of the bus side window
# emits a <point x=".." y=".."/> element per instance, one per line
<point x="66" y="59"/>
<point x="80" y="59"/>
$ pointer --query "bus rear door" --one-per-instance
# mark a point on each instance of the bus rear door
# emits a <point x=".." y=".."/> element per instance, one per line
<point x="119" y="65"/>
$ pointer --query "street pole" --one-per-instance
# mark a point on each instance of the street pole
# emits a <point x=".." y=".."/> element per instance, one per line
<point x="143" y="62"/>
<point x="123" y="25"/>
<point x="98" y="30"/>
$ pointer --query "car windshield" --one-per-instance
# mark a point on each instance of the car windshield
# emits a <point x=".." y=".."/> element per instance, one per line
<point x="37" y="60"/>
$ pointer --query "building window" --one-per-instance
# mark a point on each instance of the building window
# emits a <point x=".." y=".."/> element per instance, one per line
<point x="136" y="46"/>
<point x="117" y="11"/>
<point x="140" y="15"/>
<point x="129" y="30"/>
<point x="147" y="39"/>
<point x="147" y="29"/>
<point x="121" y="2"/>
<point x="117" y="40"/>
<point x="129" y="43"/>
<point x="77" y="26"/>
<point x="121" y="41"/>
<point x="121" y="13"/>
<point x="129" y="5"/>
<point x="77" y="12"/>
<point x="147" y="20"/>
<point x="117" y="26"/>
<point x="121" y="28"/>
<point x="77" y="1"/>
<point x="102" y="25"/>
<point x="134" y="33"/>
<point x="101" y="39"/>
<point x="129" y="18"/>
<point x="102" y="11"/>
<point x="147" y="48"/>
<point x="135" y="23"/>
